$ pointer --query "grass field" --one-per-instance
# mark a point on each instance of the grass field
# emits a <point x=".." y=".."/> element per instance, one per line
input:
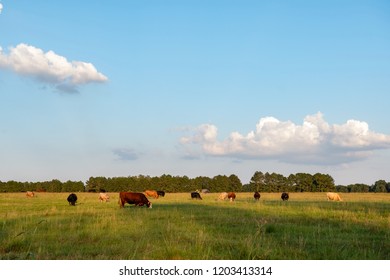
<point x="307" y="227"/>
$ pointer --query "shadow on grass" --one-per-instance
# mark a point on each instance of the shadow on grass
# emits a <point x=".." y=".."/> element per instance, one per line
<point x="201" y="230"/>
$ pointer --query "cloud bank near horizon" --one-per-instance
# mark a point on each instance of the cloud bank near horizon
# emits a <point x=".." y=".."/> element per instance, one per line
<point x="315" y="141"/>
<point x="50" y="68"/>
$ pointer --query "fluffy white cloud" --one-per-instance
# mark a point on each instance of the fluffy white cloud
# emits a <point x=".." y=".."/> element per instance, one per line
<point x="314" y="141"/>
<point x="49" y="67"/>
<point x="1" y="8"/>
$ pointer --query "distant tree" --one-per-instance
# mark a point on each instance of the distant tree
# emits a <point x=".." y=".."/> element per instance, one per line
<point x="96" y="183"/>
<point x="71" y="186"/>
<point x="363" y="188"/>
<point x="322" y="183"/>
<point x="257" y="181"/>
<point x="247" y="188"/>
<point x="235" y="183"/>
<point x="379" y="186"/>
<point x="221" y="183"/>
<point x="342" y="188"/>
<point x="278" y="183"/>
<point x="303" y="182"/>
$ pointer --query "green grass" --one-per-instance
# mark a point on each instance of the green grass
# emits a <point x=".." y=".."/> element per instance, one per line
<point x="305" y="227"/>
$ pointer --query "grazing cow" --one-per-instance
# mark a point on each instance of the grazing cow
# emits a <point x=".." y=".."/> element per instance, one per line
<point x="195" y="195"/>
<point x="284" y="196"/>
<point x="138" y="199"/>
<point x="161" y="193"/>
<point x="104" y="197"/>
<point x="333" y="196"/>
<point x="151" y="193"/>
<point x="256" y="195"/>
<point x="232" y="196"/>
<point x="30" y="194"/>
<point x="223" y="196"/>
<point x="72" y="198"/>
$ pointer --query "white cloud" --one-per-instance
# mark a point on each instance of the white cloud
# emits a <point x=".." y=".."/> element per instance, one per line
<point x="126" y="154"/>
<point x="1" y="8"/>
<point x="314" y="141"/>
<point x="49" y="67"/>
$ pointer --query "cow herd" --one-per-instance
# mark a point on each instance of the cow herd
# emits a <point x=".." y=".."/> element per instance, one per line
<point x="140" y="199"/>
<point x="232" y="196"/>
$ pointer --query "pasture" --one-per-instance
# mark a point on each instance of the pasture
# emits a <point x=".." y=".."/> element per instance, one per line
<point x="306" y="227"/>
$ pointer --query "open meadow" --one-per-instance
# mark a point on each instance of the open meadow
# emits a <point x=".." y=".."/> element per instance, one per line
<point x="307" y="227"/>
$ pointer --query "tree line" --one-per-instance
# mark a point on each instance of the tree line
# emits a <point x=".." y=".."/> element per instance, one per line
<point x="261" y="182"/>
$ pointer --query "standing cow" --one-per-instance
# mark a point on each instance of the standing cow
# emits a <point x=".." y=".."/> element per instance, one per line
<point x="72" y="198"/>
<point x="333" y="196"/>
<point x="161" y="193"/>
<point x="222" y="196"/>
<point x="284" y="196"/>
<point x="30" y="194"/>
<point x="138" y="199"/>
<point x="195" y="195"/>
<point x="231" y="196"/>
<point x="151" y="193"/>
<point x="104" y="197"/>
<point x="256" y="195"/>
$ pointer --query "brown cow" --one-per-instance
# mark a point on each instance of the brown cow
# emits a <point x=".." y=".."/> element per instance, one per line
<point x="30" y="194"/>
<point x="256" y="195"/>
<point x="138" y="199"/>
<point x="151" y="193"/>
<point x="232" y="196"/>
<point x="104" y="197"/>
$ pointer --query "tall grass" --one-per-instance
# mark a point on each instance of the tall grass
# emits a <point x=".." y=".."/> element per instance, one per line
<point x="305" y="227"/>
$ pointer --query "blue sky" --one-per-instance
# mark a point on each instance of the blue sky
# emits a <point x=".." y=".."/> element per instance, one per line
<point x="196" y="88"/>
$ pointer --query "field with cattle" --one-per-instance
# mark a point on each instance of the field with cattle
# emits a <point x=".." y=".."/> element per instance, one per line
<point x="306" y="227"/>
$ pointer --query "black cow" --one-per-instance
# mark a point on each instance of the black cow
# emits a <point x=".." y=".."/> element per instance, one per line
<point x="257" y="195"/>
<point x="72" y="198"/>
<point x="138" y="199"/>
<point x="161" y="193"/>
<point x="195" y="195"/>
<point x="285" y="196"/>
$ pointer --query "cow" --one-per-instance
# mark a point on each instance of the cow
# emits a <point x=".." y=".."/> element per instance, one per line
<point x="284" y="196"/>
<point x="195" y="195"/>
<point x="256" y="195"/>
<point x="151" y="193"/>
<point x="333" y="196"/>
<point x="232" y="196"/>
<point x="223" y="196"/>
<point x="104" y="197"/>
<point x="72" y="198"/>
<point x="138" y="199"/>
<point x="161" y="193"/>
<point x="30" y="194"/>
